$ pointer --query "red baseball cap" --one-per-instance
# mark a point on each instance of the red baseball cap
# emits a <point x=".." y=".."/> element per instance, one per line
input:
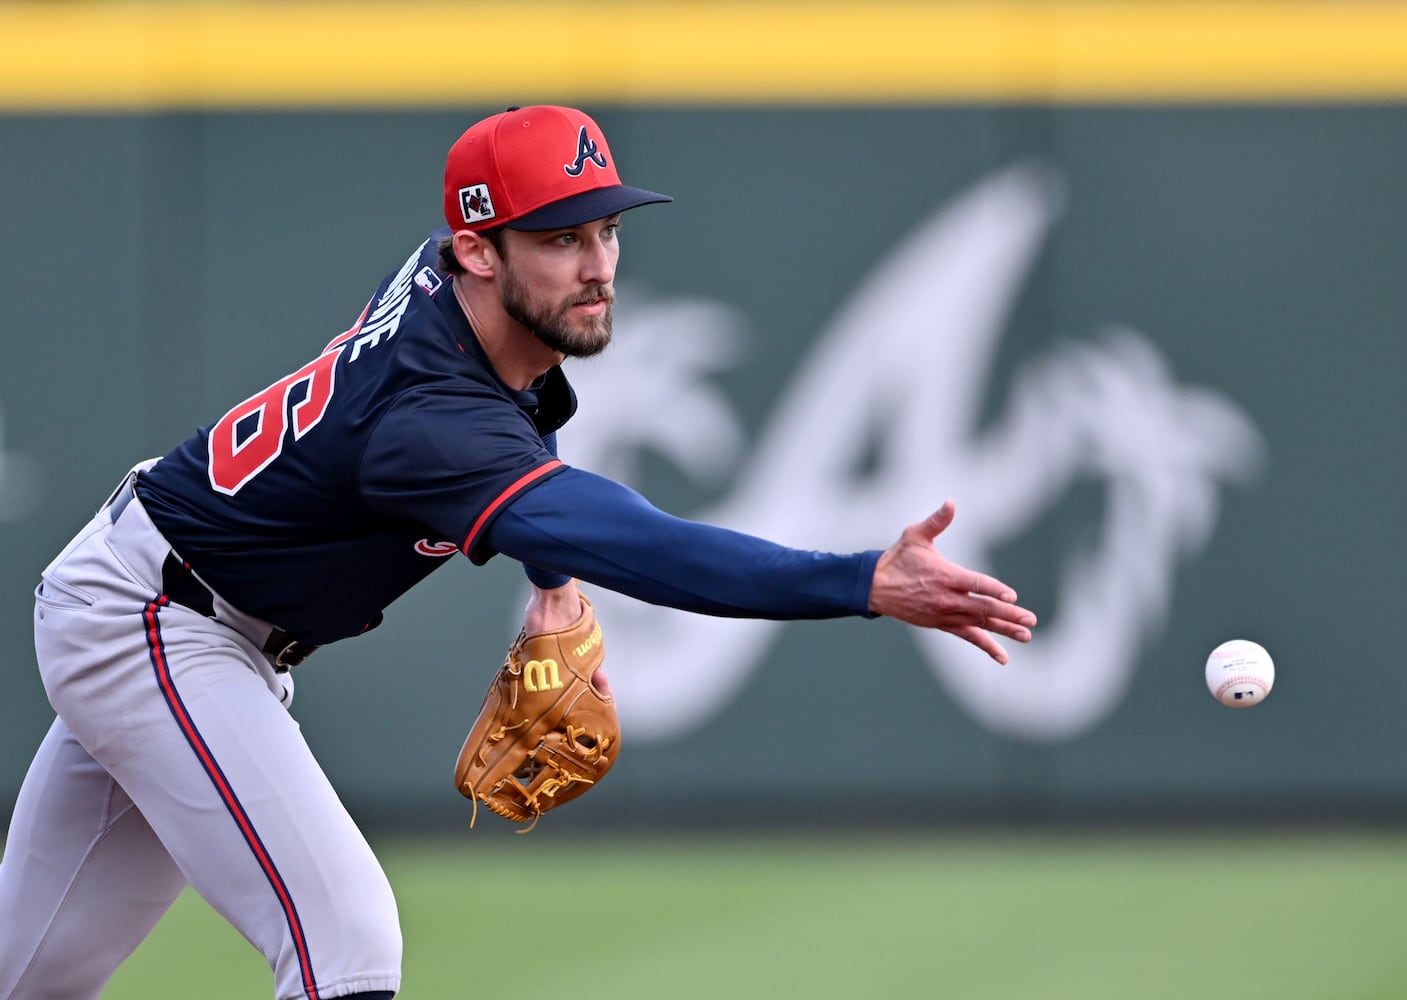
<point x="535" y="169"/>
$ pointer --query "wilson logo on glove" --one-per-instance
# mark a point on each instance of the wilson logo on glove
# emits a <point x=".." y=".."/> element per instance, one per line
<point x="541" y="675"/>
<point x="592" y="640"/>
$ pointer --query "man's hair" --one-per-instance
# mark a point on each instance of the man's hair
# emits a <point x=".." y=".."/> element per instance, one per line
<point x="449" y="263"/>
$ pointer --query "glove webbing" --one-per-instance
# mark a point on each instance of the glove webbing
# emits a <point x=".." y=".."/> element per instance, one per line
<point x="563" y="778"/>
<point x="549" y="788"/>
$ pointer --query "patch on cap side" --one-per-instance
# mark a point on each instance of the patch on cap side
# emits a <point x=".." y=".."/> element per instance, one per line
<point x="475" y="204"/>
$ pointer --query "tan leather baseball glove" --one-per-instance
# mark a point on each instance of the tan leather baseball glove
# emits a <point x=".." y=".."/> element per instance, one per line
<point x="545" y="733"/>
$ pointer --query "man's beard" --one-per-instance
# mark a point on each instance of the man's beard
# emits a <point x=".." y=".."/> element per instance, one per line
<point x="551" y="326"/>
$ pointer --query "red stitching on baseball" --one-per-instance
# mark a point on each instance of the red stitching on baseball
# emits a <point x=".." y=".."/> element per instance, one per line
<point x="1243" y="679"/>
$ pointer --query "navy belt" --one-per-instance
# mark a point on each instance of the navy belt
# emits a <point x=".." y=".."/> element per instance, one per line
<point x="180" y="585"/>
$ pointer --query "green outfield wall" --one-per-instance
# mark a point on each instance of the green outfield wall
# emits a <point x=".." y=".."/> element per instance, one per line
<point x="1143" y="325"/>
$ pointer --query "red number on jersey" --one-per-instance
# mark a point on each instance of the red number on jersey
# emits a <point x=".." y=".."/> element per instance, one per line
<point x="233" y="462"/>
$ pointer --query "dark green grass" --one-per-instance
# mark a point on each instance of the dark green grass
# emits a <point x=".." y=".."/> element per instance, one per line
<point x="1240" y="916"/>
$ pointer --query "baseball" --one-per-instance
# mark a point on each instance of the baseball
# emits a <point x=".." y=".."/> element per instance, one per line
<point x="1240" y="673"/>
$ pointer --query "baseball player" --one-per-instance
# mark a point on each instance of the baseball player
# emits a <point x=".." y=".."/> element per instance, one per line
<point x="166" y="629"/>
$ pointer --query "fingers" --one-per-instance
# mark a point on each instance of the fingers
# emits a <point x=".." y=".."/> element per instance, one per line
<point x="1009" y="630"/>
<point x="983" y="615"/>
<point x="984" y="618"/>
<point x="982" y="640"/>
<point x="1009" y="615"/>
<point x="936" y="523"/>
<point x="990" y="586"/>
<point x="915" y="583"/>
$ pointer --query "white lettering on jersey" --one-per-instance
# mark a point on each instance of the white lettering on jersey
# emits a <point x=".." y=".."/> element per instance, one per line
<point x="385" y="318"/>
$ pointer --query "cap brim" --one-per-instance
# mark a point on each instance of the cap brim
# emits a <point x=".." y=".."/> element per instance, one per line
<point x="586" y="207"/>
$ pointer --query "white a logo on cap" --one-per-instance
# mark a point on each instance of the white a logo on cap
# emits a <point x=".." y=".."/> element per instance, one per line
<point x="475" y="203"/>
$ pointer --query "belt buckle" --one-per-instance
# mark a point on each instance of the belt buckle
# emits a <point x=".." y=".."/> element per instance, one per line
<point x="294" y="653"/>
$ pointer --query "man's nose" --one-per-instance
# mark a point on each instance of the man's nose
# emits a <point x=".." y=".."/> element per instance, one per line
<point x="599" y="263"/>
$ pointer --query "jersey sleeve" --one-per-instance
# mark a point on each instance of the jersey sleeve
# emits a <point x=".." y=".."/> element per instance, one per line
<point x="453" y="458"/>
<point x="543" y="578"/>
<point x="585" y="526"/>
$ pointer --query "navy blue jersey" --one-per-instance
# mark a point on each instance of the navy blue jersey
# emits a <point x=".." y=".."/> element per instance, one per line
<point x="317" y="502"/>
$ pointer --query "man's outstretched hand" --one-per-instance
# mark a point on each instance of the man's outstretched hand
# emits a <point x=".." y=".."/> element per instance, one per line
<point x="915" y="584"/>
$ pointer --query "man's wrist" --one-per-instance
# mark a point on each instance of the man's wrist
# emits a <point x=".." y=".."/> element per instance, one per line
<point x="552" y="608"/>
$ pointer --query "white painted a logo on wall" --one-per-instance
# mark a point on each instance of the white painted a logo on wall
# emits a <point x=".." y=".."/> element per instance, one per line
<point x="905" y="363"/>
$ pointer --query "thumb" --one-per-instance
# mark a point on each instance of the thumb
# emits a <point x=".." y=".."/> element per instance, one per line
<point x="934" y="524"/>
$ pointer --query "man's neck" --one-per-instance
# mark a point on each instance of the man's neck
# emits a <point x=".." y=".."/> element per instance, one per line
<point x="518" y="358"/>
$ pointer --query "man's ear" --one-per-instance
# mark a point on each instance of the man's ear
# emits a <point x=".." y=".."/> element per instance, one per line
<point x="475" y="254"/>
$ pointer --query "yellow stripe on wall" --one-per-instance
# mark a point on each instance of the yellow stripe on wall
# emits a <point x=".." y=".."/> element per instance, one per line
<point x="133" y="55"/>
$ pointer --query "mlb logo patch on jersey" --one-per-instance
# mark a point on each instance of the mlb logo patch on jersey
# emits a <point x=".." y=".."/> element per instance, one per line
<point x="475" y="203"/>
<point x="427" y="279"/>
